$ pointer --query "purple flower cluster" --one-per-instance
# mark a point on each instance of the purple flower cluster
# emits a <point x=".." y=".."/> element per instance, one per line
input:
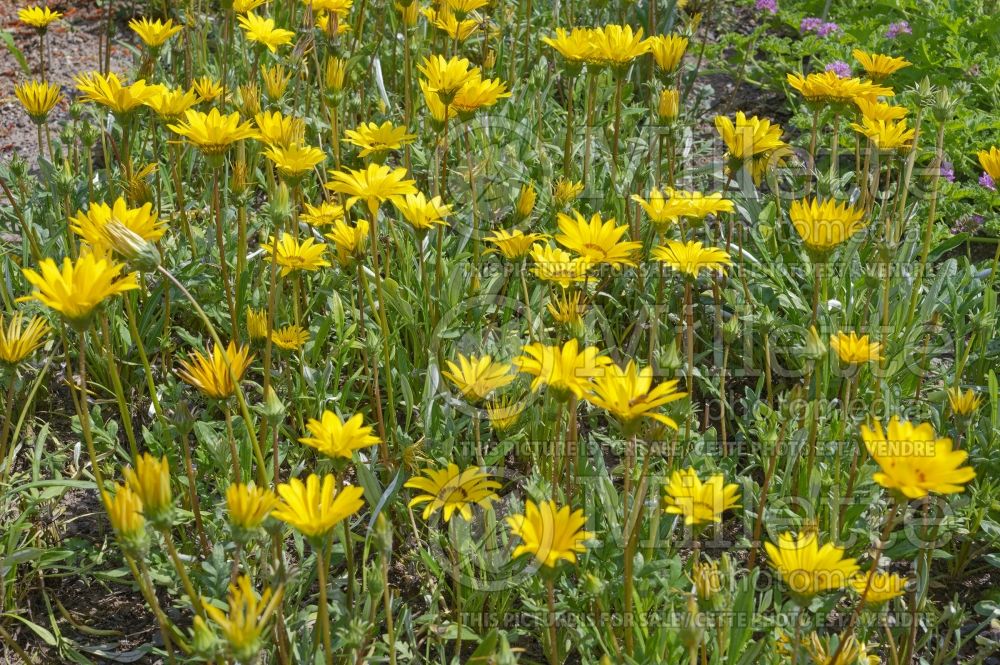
<point x="770" y="6"/>
<point x="947" y="171"/>
<point x="819" y="26"/>
<point x="986" y="181"/>
<point x="969" y="224"/>
<point x="896" y="29"/>
<point x="840" y="68"/>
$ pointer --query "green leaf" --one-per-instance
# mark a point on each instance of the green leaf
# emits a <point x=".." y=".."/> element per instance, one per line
<point x="8" y="41"/>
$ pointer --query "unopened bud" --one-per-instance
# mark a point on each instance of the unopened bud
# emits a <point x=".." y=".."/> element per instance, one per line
<point x="132" y="247"/>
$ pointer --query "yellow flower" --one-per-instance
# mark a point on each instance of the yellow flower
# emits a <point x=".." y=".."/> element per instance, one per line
<point x="479" y="93"/>
<point x="422" y="213"/>
<point x="170" y="104"/>
<point x="914" y="460"/>
<point x="808" y="569"/>
<point x="854" y="350"/>
<point x="463" y="7"/>
<point x="339" y="7"/>
<point x="217" y="376"/>
<point x="109" y="91"/>
<point x="150" y="480"/>
<point x="961" y="403"/>
<point x="76" y="290"/>
<point x="748" y="137"/>
<point x="451" y="489"/>
<point x="822" y="651"/>
<point x="257" y="323"/>
<point x="628" y="394"/>
<point x="275" y="80"/>
<point x="565" y="191"/>
<point x="213" y="132"/>
<point x="261" y="30"/>
<point x="565" y="370"/>
<point x="245" y="623"/>
<point x="38" y="17"/>
<point x="439" y="112"/>
<point x="886" y="134"/>
<point x="990" y="161"/>
<point x="324" y="214"/>
<point x="154" y="34"/>
<point x="829" y="88"/>
<point x="18" y="341"/>
<point x="334" y="73"/>
<point x="883" y="586"/>
<point x="445" y="20"/>
<point x="576" y="46"/>
<point x="705" y="576"/>
<point x="92" y="225"/>
<point x="824" y="224"/>
<point x="126" y="516"/>
<point x="669" y="106"/>
<point x="877" y="110"/>
<point x="567" y="308"/>
<point x="38" y="99"/>
<point x="549" y="533"/>
<point x="878" y="66"/>
<point x="248" y="505"/>
<point x="598" y="240"/>
<point x="373" y="185"/>
<point x="447" y="76"/>
<point x="504" y="412"/>
<point x="618" y="45"/>
<point x="514" y="244"/>
<point x="478" y="376"/>
<point x="552" y="264"/>
<point x="349" y="241"/>
<point x="691" y="257"/>
<point x="694" y="205"/>
<point x="408" y="12"/>
<point x="334" y="437"/>
<point x="324" y="24"/>
<point x="668" y="50"/>
<point x="208" y="89"/>
<point x="244" y="6"/>
<point x="292" y="255"/>
<point x="526" y="198"/>
<point x="699" y="502"/>
<point x="295" y="160"/>
<point x="313" y="508"/>
<point x="290" y="338"/>
<point x="377" y="139"/>
<point x="278" y="130"/>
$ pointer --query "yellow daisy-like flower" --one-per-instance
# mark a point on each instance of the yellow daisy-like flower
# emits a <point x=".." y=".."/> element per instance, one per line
<point x="335" y="73"/>
<point x="18" y="341"/>
<point x="914" y="460"/>
<point x="567" y="308"/>
<point x="598" y="240"/>
<point x="257" y="323"/>
<point x="628" y="395"/>
<point x="565" y="191"/>
<point x="150" y="480"/>
<point x="447" y="76"/>
<point x="92" y="225"/>
<point x="244" y="625"/>
<point x="213" y="132"/>
<point x="618" y="45"/>
<point x="665" y="208"/>
<point x="125" y="514"/>
<point x="855" y="350"/>
<point x="526" y="198"/>
<point x="879" y="66"/>
<point x="216" y="377"/>
<point x="110" y="92"/>
<point x="290" y="337"/>
<point x="171" y="104"/>
<point x="565" y="370"/>
<point x="829" y="88"/>
<point x="748" y="137"/>
<point x="292" y="255"/>
<point x="440" y="113"/>
<point x="808" y="569"/>
<point x="463" y="7"/>
<point x="549" y="533"/>
<point x="314" y="507"/>
<point x="445" y="19"/>
<point x="514" y="244"/>
<point x="886" y="134"/>
<point x="691" y="257"/>
<point x="244" y="6"/>
<point x="325" y="24"/>
<point x="79" y="287"/>
<point x="422" y="213"/>
<point x="38" y="17"/>
<point x="208" y="88"/>
<point x="668" y="50"/>
<point x="38" y="99"/>
<point x="479" y="93"/>
<point x="706" y="579"/>
<point x="275" y="80"/>
<point x="261" y="30"/>
<point x="378" y="139"/>
<point x="962" y="403"/>
<point x="824" y="224"/>
<point x="504" y="412"/>
<point x="877" y="110"/>
<point x="349" y="241"/>
<point x="552" y="264"/>
<point x="575" y="46"/>
<point x="990" y="161"/>
<point x="279" y="130"/>
<point x="339" y="7"/>
<point x="452" y="489"/>
<point x="294" y="161"/>
<point x="882" y="588"/>
<point x="373" y="185"/>
<point x="324" y="214"/>
<point x="335" y="438"/>
<point x="699" y="502"/>
<point x="154" y="34"/>
<point x="478" y="376"/>
<point x="247" y="505"/>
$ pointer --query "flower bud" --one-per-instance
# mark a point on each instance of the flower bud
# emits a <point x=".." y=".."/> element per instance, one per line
<point x="132" y="247"/>
<point x="525" y="201"/>
<point x="670" y="105"/>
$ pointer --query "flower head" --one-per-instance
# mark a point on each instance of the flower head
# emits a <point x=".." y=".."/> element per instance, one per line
<point x="881" y="588"/>
<point x="914" y="460"/>
<point x="598" y="240"/>
<point x="373" y="185"/>
<point x="257" y="323"/>
<point x="896" y="29"/>
<point x="349" y="241"/>
<point x="567" y="308"/>
<point x="316" y="506"/>
<point x="668" y="50"/>
<point x="478" y="376"/>
<point x="125" y="514"/>
<point x="247" y="505"/>
<point x="422" y="213"/>
<point x="617" y="45"/>
<point x="378" y="139"/>
<point x="669" y="105"/>
<point x="878" y="66"/>
<point x="514" y="244"/>
<point x="451" y="489"/>
<point x="565" y="370"/>
<point x="549" y="533"/>
<point x="76" y="289"/>
<point x="261" y="30"/>
<point x="565" y="191"/>
<point x="830" y="87"/>
<point x="877" y="110"/>
<point x="478" y="93"/>
<point x="990" y="161"/>
<point x="18" y="341"/>
<point x="291" y="254"/>
<point x="855" y="350"/>
<point x="323" y="214"/>
<point x="110" y="92"/>
<point x="628" y="394"/>
<point x="150" y="480"/>
<point x="244" y="6"/>
<point x="664" y="208"/>
<point x="446" y="20"/>
<point x="38" y="99"/>
<point x="806" y="567"/>
<point x="552" y="264"/>
<point x="447" y="76"/>
<point x="295" y="160"/>
<point x="275" y="80"/>
<point x="840" y="68"/>
<point x="278" y="130"/>
<point x="825" y="224"/>
<point x="38" y="17"/>
<point x="699" y="502"/>
<point x="290" y="337"/>
<point x="338" y="438"/>
<point x="170" y="104"/>
<point x="750" y="142"/>
<point x="962" y="403"/>
<point x="886" y="134"/>
<point x="504" y="412"/>
<point x="526" y="198"/>
<point x="244" y="625"/>
<point x="154" y="34"/>
<point x="213" y="132"/>
<point x="691" y="257"/>
<point x="575" y="46"/>
<point x="216" y="376"/>
<point x="207" y="88"/>
<point x="92" y="225"/>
